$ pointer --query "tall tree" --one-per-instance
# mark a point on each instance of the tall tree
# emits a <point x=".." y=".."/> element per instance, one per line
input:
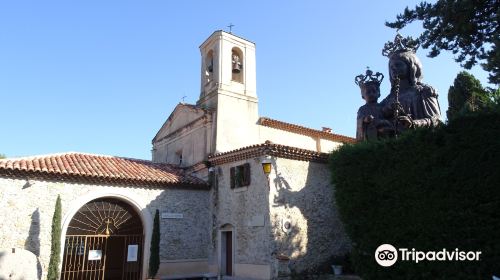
<point x="466" y="94"/>
<point x="495" y="96"/>
<point x="53" y="272"/>
<point x="469" y="28"/>
<point x="154" y="258"/>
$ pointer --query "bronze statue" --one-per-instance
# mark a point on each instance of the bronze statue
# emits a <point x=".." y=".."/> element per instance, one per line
<point x="416" y="103"/>
<point x="410" y="104"/>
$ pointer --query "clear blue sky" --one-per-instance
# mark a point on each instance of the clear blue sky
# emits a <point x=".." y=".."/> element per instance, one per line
<point x="103" y="76"/>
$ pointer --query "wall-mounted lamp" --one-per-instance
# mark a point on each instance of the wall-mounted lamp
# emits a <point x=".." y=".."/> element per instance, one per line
<point x="266" y="165"/>
<point x="211" y="176"/>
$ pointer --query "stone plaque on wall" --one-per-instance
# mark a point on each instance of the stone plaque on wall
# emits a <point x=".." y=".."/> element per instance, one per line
<point x="166" y="215"/>
<point x="256" y="221"/>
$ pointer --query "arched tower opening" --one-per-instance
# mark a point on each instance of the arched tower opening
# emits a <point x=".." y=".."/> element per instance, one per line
<point x="237" y="66"/>
<point x="209" y="67"/>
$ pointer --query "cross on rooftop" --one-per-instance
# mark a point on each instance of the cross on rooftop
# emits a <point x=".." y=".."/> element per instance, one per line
<point x="230" y="27"/>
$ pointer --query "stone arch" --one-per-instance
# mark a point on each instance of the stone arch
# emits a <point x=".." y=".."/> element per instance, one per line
<point x="123" y="195"/>
<point x="227" y="226"/>
<point x="209" y="66"/>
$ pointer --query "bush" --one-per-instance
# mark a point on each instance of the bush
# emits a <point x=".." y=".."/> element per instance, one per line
<point x="55" y="249"/>
<point x="154" y="258"/>
<point x="428" y="190"/>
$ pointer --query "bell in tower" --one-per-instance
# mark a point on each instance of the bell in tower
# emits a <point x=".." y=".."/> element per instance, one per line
<point x="236" y="63"/>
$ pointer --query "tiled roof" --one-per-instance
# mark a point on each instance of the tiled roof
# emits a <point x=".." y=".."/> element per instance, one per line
<point x="98" y="169"/>
<point x="305" y="130"/>
<point x="268" y="148"/>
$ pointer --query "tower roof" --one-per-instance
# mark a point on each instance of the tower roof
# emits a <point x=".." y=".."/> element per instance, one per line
<point x="224" y="33"/>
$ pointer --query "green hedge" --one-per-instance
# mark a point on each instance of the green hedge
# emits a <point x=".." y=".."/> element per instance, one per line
<point x="428" y="190"/>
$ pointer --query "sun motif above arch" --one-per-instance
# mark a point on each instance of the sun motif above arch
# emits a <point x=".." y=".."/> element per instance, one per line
<point x="105" y="216"/>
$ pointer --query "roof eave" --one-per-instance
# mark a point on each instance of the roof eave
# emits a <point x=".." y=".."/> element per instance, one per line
<point x="98" y="180"/>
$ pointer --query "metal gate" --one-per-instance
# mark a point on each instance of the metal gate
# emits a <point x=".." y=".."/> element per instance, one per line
<point x="104" y="241"/>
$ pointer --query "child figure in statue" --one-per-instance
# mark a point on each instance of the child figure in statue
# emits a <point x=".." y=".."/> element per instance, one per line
<point x="371" y="124"/>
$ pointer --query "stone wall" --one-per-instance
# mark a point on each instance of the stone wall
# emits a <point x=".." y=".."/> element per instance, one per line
<point x="28" y="207"/>
<point x="191" y="139"/>
<point x="301" y="195"/>
<point x="19" y="264"/>
<point x="246" y="210"/>
<point x="185" y="238"/>
<point x="279" y="136"/>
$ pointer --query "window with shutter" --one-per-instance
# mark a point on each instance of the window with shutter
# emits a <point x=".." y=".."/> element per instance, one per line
<point x="246" y="174"/>
<point x="232" y="177"/>
<point x="240" y="176"/>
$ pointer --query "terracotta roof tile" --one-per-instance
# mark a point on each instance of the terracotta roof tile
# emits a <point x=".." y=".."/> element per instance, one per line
<point x="305" y="130"/>
<point x="268" y="148"/>
<point x="89" y="168"/>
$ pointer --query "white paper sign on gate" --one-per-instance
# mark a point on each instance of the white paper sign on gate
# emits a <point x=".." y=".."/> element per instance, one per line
<point x="132" y="253"/>
<point x="95" y="255"/>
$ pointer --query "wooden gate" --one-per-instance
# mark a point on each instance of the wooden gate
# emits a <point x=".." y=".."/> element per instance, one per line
<point x="104" y="241"/>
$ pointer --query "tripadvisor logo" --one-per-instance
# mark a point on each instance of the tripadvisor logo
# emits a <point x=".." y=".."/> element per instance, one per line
<point x="387" y="255"/>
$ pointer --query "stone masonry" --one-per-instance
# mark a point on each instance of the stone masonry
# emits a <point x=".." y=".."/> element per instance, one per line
<point x="28" y="207"/>
<point x="300" y="193"/>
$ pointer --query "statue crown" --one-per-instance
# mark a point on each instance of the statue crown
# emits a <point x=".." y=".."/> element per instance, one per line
<point x="361" y="79"/>
<point x="400" y="44"/>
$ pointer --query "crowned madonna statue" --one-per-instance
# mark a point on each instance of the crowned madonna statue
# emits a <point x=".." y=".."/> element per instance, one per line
<point x="410" y="103"/>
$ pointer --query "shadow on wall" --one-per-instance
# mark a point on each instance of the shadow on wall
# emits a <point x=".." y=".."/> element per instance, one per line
<point x="316" y="235"/>
<point x="32" y="243"/>
<point x="2" y="255"/>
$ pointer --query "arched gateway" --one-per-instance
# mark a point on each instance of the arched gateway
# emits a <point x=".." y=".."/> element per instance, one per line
<point x="104" y="240"/>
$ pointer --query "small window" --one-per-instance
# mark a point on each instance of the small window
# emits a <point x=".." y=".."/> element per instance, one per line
<point x="240" y="176"/>
<point x="179" y="156"/>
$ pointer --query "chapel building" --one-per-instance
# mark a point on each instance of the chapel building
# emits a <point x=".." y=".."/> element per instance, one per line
<point x="237" y="194"/>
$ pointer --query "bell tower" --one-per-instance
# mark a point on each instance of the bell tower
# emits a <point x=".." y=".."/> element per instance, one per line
<point x="228" y="87"/>
<point x="227" y="65"/>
